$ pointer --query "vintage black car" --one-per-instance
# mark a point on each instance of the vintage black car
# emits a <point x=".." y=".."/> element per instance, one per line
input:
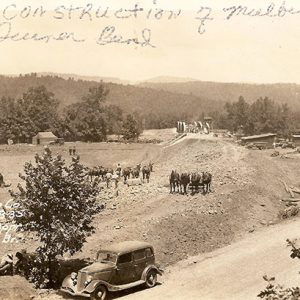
<point x="116" y="267"/>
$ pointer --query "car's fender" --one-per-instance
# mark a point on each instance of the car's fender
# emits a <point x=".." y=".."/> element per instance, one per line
<point x="150" y="268"/>
<point x="68" y="282"/>
<point x="94" y="284"/>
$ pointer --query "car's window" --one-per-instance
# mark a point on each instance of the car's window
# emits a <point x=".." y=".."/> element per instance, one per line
<point x="125" y="258"/>
<point x="149" y="252"/>
<point x="139" y="254"/>
<point x="106" y="257"/>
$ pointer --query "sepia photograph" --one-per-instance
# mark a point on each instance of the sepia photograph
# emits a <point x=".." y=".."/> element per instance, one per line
<point x="149" y="150"/>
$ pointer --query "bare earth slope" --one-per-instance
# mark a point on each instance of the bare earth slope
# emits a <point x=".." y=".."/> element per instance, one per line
<point x="233" y="272"/>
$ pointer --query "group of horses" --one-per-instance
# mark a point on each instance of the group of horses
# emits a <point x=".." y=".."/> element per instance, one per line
<point x="134" y="172"/>
<point x="99" y="171"/>
<point x="126" y="173"/>
<point x="180" y="182"/>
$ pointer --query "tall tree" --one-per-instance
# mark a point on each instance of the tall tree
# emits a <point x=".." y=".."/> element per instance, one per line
<point x="114" y="119"/>
<point x="58" y="204"/>
<point x="131" y="128"/>
<point x="87" y="118"/>
<point x="41" y="107"/>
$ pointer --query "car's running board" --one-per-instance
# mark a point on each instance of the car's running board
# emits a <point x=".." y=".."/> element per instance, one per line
<point x="114" y="288"/>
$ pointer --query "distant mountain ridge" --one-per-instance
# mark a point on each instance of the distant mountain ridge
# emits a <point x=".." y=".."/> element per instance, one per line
<point x="166" y="79"/>
<point x="78" y="77"/>
<point x="227" y="92"/>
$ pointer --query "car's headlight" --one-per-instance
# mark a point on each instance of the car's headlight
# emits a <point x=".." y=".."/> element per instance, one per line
<point x="73" y="275"/>
<point x="74" y="278"/>
<point x="88" y="280"/>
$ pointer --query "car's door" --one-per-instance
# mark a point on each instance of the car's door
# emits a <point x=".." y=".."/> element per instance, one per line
<point x="140" y="262"/>
<point x="125" y="272"/>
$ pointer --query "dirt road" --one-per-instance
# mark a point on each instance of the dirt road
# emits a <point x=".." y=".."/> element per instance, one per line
<point x="233" y="272"/>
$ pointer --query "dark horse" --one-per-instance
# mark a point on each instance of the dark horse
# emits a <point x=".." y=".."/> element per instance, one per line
<point x="126" y="173"/>
<point x="206" y="182"/>
<point x="195" y="181"/>
<point x="174" y="181"/>
<point x="184" y="182"/>
<point x="146" y="173"/>
<point x="151" y="166"/>
<point x="96" y="171"/>
<point x="136" y="171"/>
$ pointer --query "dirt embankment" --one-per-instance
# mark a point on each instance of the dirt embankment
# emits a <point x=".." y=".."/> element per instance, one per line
<point x="246" y="193"/>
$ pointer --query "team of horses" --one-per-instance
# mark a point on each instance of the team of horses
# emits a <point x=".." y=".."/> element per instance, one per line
<point x="179" y="182"/>
<point x="126" y="173"/>
<point x="134" y="172"/>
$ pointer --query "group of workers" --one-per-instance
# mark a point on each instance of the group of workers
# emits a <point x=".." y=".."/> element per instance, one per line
<point x="9" y="266"/>
<point x="114" y="176"/>
<point x="72" y="150"/>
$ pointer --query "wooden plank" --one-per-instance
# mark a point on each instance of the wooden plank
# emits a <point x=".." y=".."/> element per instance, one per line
<point x="291" y="200"/>
<point x="286" y="187"/>
<point x="288" y="190"/>
<point x="295" y="190"/>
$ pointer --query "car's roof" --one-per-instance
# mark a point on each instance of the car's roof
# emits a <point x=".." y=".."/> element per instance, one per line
<point x="125" y="247"/>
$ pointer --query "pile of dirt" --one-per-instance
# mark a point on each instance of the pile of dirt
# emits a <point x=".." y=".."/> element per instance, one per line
<point x="245" y="197"/>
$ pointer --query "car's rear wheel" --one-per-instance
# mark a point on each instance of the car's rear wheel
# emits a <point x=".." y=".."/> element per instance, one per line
<point x="151" y="279"/>
<point x="100" y="293"/>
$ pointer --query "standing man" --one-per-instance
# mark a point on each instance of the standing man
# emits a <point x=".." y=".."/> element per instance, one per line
<point x="108" y="177"/>
<point x="115" y="178"/>
<point x="70" y="150"/>
<point x="119" y="170"/>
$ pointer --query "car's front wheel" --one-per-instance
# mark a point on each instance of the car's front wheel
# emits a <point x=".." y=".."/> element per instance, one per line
<point x="100" y="293"/>
<point x="151" y="279"/>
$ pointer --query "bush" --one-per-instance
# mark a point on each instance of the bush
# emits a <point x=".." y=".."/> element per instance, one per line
<point x="275" y="291"/>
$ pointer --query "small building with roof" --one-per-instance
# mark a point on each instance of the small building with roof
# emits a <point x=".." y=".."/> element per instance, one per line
<point x="267" y="138"/>
<point x="296" y="139"/>
<point x="44" y="138"/>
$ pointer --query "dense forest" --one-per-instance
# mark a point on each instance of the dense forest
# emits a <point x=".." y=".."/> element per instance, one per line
<point x="261" y="116"/>
<point x="158" y="108"/>
<point x="88" y="120"/>
<point x="89" y="110"/>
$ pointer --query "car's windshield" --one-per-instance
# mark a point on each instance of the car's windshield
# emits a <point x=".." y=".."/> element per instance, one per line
<point x="105" y="257"/>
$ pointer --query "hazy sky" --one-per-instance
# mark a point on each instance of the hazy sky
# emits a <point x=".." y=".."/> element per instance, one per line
<point x="242" y="49"/>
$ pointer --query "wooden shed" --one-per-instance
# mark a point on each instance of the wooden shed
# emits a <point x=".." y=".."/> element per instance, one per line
<point x="296" y="139"/>
<point x="44" y="138"/>
<point x="267" y="138"/>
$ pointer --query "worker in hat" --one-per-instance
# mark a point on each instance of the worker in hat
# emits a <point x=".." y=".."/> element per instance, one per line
<point x="22" y="265"/>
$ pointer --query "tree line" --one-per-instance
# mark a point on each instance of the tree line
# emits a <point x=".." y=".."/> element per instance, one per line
<point x="90" y="119"/>
<point x="262" y="116"/>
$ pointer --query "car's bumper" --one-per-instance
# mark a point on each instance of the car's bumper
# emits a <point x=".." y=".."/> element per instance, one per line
<point x="74" y="292"/>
